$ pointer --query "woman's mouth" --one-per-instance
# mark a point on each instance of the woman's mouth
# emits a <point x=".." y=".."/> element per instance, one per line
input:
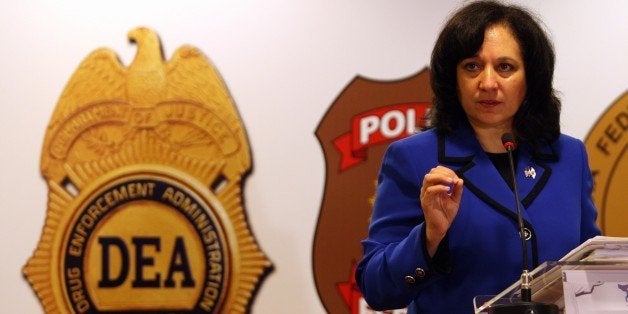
<point x="489" y="102"/>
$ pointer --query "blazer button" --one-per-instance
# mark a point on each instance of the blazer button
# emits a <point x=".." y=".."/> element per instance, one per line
<point x="420" y="272"/>
<point x="409" y="280"/>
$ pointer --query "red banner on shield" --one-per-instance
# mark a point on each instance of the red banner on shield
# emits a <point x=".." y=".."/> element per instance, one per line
<point x="373" y="127"/>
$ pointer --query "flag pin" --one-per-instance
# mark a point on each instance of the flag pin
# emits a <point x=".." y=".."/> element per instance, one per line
<point x="529" y="172"/>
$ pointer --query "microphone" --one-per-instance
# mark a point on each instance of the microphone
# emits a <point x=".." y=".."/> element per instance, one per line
<point x="509" y="144"/>
<point x="508" y="140"/>
<point x="526" y="305"/>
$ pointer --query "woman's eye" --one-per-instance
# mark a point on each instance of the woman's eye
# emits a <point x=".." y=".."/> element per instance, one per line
<point x="472" y="66"/>
<point x="505" y="67"/>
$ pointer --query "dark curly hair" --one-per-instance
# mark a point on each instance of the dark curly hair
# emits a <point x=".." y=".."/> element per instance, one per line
<point x="538" y="117"/>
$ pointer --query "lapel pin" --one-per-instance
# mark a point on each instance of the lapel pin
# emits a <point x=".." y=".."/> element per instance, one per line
<point x="529" y="172"/>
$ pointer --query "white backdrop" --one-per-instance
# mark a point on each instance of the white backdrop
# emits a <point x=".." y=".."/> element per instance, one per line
<point x="284" y="63"/>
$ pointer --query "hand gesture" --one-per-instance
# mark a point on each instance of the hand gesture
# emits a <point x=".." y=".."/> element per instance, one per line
<point x="440" y="198"/>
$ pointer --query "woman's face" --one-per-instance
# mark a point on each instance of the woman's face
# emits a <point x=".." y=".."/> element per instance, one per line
<point x="492" y="83"/>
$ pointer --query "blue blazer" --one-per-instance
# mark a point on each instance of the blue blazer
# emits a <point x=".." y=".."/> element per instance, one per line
<point x="481" y="253"/>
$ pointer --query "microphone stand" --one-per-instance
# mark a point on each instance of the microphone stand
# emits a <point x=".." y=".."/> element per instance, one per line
<point x="525" y="306"/>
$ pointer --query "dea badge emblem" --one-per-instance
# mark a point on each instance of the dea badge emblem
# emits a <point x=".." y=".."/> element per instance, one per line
<point x="606" y="144"/>
<point x="145" y="213"/>
<point x="354" y="134"/>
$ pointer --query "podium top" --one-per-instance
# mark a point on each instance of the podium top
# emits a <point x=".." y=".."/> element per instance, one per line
<point x="602" y="253"/>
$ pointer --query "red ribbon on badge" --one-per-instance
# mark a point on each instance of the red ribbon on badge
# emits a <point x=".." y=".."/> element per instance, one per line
<point x="377" y="126"/>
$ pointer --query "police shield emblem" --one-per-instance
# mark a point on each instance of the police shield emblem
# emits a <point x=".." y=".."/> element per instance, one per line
<point x="354" y="134"/>
<point x="144" y="167"/>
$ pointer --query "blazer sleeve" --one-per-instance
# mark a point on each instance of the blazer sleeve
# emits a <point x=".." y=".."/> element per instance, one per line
<point x="395" y="266"/>
<point x="588" y="226"/>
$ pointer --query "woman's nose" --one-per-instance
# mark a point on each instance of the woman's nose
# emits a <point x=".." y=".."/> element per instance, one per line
<point x="488" y="79"/>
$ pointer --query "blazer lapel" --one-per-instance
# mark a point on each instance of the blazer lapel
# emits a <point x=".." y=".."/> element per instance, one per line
<point x="533" y="172"/>
<point x="463" y="152"/>
<point x="482" y="178"/>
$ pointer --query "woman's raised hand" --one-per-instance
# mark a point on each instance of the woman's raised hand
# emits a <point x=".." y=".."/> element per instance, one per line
<point x="440" y="198"/>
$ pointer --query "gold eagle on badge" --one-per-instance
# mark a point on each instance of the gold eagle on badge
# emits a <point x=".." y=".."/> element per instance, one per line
<point x="145" y="212"/>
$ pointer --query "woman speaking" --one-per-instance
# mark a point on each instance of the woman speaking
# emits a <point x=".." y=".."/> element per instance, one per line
<point x="444" y="226"/>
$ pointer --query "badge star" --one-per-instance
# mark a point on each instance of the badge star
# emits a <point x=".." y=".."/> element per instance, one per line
<point x="350" y="292"/>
